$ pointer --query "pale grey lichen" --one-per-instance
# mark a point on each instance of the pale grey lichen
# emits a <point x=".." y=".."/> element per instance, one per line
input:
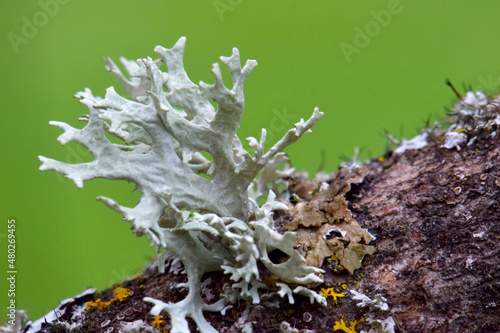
<point x="375" y="317"/>
<point x="472" y="114"/>
<point x="387" y="325"/>
<point x="66" y="306"/>
<point x="16" y="325"/>
<point x="379" y="303"/>
<point x="193" y="173"/>
<point x="454" y="140"/>
<point x="272" y="177"/>
<point x="417" y="142"/>
<point x="137" y="326"/>
<point x="285" y="327"/>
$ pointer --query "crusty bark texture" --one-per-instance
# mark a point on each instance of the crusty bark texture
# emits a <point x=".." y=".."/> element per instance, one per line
<point x="435" y="213"/>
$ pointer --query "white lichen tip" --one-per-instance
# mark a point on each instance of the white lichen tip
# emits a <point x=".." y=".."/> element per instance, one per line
<point x="184" y="155"/>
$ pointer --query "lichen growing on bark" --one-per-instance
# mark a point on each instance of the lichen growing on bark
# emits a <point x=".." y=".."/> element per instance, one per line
<point x="194" y="176"/>
<point x="433" y="205"/>
<point x="325" y="225"/>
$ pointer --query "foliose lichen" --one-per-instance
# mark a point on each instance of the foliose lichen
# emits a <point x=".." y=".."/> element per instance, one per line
<point x="474" y="114"/>
<point x="194" y="176"/>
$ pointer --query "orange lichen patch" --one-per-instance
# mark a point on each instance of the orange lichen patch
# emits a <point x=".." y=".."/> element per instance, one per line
<point x="342" y="326"/>
<point x="120" y="294"/>
<point x="329" y="292"/>
<point x="159" y="323"/>
<point x="100" y="305"/>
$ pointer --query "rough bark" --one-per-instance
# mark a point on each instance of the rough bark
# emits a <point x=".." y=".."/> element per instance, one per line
<point x="437" y="216"/>
<point x="435" y="213"/>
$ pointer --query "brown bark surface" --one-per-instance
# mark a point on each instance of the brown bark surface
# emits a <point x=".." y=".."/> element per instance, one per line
<point x="435" y="213"/>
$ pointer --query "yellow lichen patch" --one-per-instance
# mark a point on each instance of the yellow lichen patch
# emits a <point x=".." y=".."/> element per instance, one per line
<point x="100" y="305"/>
<point x="120" y="294"/>
<point x="158" y="323"/>
<point x="329" y="292"/>
<point x="342" y="326"/>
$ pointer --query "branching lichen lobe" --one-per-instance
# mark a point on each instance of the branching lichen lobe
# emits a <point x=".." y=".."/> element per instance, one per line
<point x="432" y="203"/>
<point x="201" y="210"/>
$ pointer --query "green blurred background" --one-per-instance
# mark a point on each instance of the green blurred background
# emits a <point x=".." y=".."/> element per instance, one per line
<point x="369" y="65"/>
